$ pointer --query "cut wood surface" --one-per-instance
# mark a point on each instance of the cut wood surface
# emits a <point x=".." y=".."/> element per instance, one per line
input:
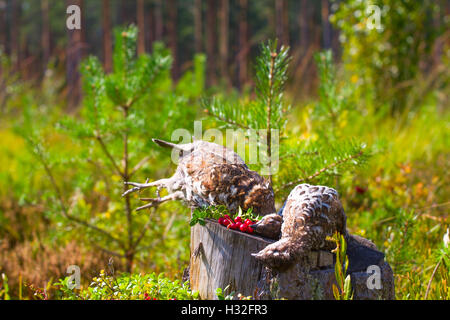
<point x="222" y="257"/>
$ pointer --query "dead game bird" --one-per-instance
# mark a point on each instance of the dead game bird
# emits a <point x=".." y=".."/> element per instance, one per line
<point x="210" y="174"/>
<point x="311" y="213"/>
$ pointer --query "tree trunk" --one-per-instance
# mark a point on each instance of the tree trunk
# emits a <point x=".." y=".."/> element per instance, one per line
<point x="211" y="38"/>
<point x="158" y="20"/>
<point x="3" y="27"/>
<point x="222" y="257"/>
<point x="282" y="21"/>
<point x="45" y="34"/>
<point x="223" y="39"/>
<point x="107" y="35"/>
<point x="74" y="55"/>
<point x="15" y="33"/>
<point x="140" y="14"/>
<point x="198" y="38"/>
<point x="304" y="28"/>
<point x="326" y="26"/>
<point x="244" y="48"/>
<point x="126" y="12"/>
<point x="150" y="30"/>
<point x="172" y="33"/>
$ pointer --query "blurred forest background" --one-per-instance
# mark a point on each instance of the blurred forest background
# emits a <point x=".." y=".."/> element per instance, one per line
<point x="62" y="156"/>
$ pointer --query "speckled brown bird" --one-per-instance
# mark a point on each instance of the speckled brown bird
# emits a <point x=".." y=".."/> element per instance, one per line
<point x="311" y="213"/>
<point x="210" y="174"/>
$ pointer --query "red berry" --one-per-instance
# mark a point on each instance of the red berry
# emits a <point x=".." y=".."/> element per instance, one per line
<point x="238" y="219"/>
<point x="221" y="219"/>
<point x="226" y="222"/>
<point x="243" y="227"/>
<point x="248" y="221"/>
<point x="360" y="190"/>
<point x="226" y="216"/>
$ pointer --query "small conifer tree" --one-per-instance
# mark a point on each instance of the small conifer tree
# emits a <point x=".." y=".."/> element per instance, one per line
<point x="309" y="160"/>
<point x="111" y="136"/>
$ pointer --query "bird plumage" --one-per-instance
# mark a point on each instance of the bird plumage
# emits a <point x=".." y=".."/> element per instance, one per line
<point x="311" y="213"/>
<point x="210" y="174"/>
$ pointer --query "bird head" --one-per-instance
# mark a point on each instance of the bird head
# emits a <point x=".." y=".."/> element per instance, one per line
<point x="269" y="226"/>
<point x="178" y="150"/>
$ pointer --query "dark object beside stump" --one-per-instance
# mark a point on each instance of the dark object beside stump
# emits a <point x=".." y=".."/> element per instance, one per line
<point x="222" y="257"/>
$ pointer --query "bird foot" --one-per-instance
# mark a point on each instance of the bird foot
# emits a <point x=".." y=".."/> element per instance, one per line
<point x="137" y="187"/>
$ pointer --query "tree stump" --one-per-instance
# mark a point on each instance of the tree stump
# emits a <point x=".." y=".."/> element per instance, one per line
<point x="221" y="257"/>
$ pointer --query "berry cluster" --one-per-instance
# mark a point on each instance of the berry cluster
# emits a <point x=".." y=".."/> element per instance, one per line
<point x="237" y="223"/>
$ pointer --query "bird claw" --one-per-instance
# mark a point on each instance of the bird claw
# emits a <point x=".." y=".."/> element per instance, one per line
<point x="149" y="205"/>
<point x="137" y="187"/>
<point x="131" y="190"/>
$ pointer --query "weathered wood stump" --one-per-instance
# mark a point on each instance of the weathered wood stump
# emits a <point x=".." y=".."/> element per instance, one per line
<point x="221" y="257"/>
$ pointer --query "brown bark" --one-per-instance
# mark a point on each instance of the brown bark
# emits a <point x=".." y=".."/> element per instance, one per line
<point x="140" y="14"/>
<point x="326" y="26"/>
<point x="45" y="34"/>
<point x="127" y="13"/>
<point x="198" y="25"/>
<point x="304" y="27"/>
<point x="15" y="33"/>
<point x="223" y="39"/>
<point x="282" y="21"/>
<point x="172" y="33"/>
<point x="107" y="35"/>
<point x="3" y="27"/>
<point x="244" y="46"/>
<point x="74" y="54"/>
<point x="149" y="27"/>
<point x="211" y="37"/>
<point x="158" y="20"/>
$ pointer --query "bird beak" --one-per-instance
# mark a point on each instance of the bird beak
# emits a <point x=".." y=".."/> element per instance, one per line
<point x="255" y="226"/>
<point x="166" y="144"/>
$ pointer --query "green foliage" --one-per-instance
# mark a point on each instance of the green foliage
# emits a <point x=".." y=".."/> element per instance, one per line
<point x="110" y="142"/>
<point x="344" y="292"/>
<point x="220" y="293"/>
<point x="127" y="287"/>
<point x="249" y="214"/>
<point x="387" y="58"/>
<point x="333" y="104"/>
<point x="215" y="212"/>
<point x="313" y="159"/>
<point x="399" y="199"/>
<point x="327" y="154"/>
<point x="4" y="292"/>
<point x="265" y="113"/>
<point x="271" y="76"/>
